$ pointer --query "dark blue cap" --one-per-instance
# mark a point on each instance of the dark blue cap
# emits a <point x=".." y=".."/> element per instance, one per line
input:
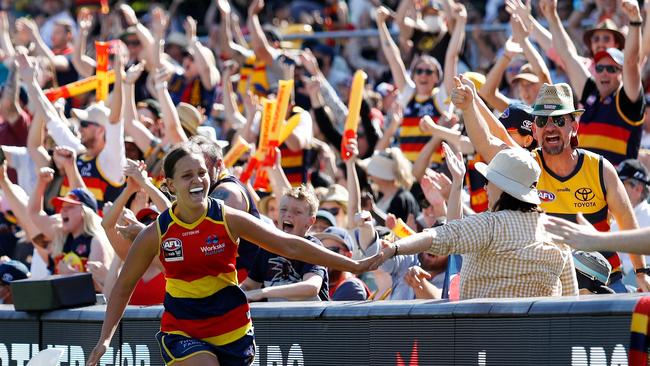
<point x="11" y="271"/>
<point x="518" y="117"/>
<point x="77" y="196"/>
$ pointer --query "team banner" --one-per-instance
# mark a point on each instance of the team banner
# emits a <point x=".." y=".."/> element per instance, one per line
<point x="290" y="125"/>
<point x="77" y="88"/>
<point x="402" y="230"/>
<point x="284" y="96"/>
<point x="268" y="108"/>
<point x="237" y="150"/>
<point x="101" y="49"/>
<point x="354" y="107"/>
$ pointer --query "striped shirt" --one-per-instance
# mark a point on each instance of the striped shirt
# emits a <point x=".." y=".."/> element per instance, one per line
<point x="506" y="254"/>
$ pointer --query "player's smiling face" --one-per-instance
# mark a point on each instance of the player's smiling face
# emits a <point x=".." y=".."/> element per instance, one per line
<point x="190" y="182"/>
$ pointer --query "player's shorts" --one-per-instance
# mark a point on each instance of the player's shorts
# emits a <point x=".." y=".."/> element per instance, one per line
<point x="174" y="347"/>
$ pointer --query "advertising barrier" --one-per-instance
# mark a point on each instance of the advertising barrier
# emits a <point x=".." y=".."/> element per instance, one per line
<point x="591" y="330"/>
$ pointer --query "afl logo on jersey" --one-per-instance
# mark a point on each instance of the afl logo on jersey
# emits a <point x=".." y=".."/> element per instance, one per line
<point x="546" y="196"/>
<point x="172" y="250"/>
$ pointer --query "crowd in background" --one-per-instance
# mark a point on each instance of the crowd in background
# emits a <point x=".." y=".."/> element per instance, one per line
<point x="449" y="85"/>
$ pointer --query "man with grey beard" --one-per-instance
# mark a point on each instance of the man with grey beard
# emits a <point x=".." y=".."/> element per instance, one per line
<point x="572" y="180"/>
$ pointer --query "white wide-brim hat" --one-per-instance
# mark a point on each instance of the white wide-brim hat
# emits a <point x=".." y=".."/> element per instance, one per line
<point x="382" y="165"/>
<point x="515" y="172"/>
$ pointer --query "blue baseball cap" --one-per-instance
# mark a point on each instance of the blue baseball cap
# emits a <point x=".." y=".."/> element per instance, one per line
<point x="327" y="216"/>
<point x="339" y="234"/>
<point x="77" y="196"/>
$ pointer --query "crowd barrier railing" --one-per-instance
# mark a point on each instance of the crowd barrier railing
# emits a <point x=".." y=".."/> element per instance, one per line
<point x="590" y="330"/>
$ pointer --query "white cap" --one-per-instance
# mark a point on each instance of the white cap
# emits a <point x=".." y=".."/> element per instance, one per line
<point x="382" y="165"/>
<point x="515" y="172"/>
<point x="97" y="113"/>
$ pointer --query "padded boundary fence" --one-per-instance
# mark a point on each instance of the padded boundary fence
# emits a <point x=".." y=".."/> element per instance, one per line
<point x="592" y="330"/>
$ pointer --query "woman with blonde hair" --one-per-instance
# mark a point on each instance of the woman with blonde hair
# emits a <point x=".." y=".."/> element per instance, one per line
<point x="391" y="175"/>
<point x="77" y="240"/>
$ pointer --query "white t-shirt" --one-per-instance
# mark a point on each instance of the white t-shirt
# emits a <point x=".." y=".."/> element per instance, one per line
<point x="24" y="165"/>
<point x="111" y="160"/>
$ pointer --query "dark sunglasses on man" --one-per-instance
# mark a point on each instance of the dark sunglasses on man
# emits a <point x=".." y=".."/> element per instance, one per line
<point x="612" y="69"/>
<point x="85" y="124"/>
<point x="541" y="121"/>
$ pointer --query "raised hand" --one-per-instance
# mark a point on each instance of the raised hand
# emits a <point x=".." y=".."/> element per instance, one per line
<point x="131" y="229"/>
<point x="459" y="12"/>
<point x="190" y="29"/>
<point x="523" y="11"/>
<point x="548" y="8"/>
<point x="519" y="30"/>
<point x="27" y="25"/>
<point x="85" y="21"/>
<point x="251" y="103"/>
<point x="128" y="14"/>
<point x="309" y="61"/>
<point x="462" y="95"/>
<point x="137" y="171"/>
<point x="255" y="7"/>
<point x="133" y="73"/>
<point x="45" y="175"/>
<point x="391" y="221"/>
<point x="121" y="56"/>
<point x="353" y="149"/>
<point x="426" y="124"/>
<point x="432" y="191"/>
<point x="224" y="7"/>
<point x="382" y="14"/>
<point x="64" y="156"/>
<point x="161" y="76"/>
<point x="288" y="70"/>
<point x="454" y="163"/>
<point x="25" y="67"/>
<point x="230" y="67"/>
<point x="511" y="48"/>
<point x="159" y="23"/>
<point x="396" y="113"/>
<point x="631" y="9"/>
<point x="312" y="85"/>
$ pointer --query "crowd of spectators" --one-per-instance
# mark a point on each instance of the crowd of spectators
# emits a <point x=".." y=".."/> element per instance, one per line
<point x="552" y="89"/>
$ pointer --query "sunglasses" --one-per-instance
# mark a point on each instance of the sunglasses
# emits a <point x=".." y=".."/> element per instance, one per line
<point x="85" y="124"/>
<point x="603" y="37"/>
<point x="541" y="121"/>
<point x="333" y="210"/>
<point x="428" y="72"/>
<point x="513" y="69"/>
<point x="335" y="249"/>
<point x="609" y="68"/>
